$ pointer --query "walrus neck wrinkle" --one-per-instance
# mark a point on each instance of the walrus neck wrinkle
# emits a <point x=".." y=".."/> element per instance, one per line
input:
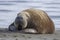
<point x="25" y="18"/>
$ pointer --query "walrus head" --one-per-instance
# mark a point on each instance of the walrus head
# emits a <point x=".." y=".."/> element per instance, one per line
<point x="21" y="21"/>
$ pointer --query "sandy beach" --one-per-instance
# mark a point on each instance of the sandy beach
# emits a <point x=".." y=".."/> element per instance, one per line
<point x="7" y="35"/>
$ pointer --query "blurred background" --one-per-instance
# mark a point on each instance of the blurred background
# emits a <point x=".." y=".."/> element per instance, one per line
<point x="10" y="8"/>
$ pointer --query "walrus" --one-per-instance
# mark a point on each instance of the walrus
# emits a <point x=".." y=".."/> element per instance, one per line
<point x="33" y="21"/>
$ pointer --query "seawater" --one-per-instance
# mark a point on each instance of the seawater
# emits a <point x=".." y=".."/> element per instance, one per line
<point x="10" y="8"/>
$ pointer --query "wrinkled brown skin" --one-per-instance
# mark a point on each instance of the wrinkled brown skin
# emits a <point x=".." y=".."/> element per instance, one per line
<point x="40" y="21"/>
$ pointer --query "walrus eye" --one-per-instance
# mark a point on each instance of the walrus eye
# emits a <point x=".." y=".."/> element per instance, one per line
<point x="19" y="17"/>
<point x="18" y="20"/>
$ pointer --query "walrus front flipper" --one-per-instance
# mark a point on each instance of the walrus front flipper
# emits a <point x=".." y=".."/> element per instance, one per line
<point x="12" y="27"/>
<point x="29" y="31"/>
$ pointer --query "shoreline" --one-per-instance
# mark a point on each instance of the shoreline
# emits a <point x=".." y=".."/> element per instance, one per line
<point x="6" y="35"/>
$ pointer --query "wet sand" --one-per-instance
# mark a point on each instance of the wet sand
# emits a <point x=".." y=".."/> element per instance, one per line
<point x="7" y="35"/>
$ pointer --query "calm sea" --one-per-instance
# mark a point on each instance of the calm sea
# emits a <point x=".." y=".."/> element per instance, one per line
<point x="10" y="8"/>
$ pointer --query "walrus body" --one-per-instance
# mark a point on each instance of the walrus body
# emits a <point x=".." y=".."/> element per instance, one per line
<point x="35" y="20"/>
